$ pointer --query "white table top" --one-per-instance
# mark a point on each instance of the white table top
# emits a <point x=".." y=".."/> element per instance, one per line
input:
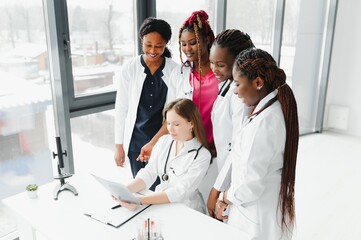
<point x="64" y="219"/>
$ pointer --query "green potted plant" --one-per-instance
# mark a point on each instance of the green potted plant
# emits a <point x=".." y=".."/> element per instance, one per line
<point x="32" y="190"/>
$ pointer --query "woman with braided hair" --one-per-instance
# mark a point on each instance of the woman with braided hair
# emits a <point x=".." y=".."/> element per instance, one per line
<point x="260" y="199"/>
<point x="194" y="79"/>
<point x="228" y="108"/>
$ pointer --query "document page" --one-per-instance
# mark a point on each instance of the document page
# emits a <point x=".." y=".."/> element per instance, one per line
<point x="118" y="190"/>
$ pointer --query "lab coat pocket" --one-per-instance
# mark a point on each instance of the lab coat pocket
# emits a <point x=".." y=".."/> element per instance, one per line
<point x="250" y="211"/>
<point x="178" y="171"/>
<point x="245" y="218"/>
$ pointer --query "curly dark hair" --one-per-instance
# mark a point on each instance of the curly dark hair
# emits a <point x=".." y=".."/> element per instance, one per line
<point x="160" y="26"/>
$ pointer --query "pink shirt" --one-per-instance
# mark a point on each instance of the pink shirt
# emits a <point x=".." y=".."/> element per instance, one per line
<point x="209" y="92"/>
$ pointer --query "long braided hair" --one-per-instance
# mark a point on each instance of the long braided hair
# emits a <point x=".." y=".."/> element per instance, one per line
<point x="254" y="63"/>
<point x="199" y="24"/>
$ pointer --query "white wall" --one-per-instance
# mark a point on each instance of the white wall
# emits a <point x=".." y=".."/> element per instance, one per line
<point x="344" y="86"/>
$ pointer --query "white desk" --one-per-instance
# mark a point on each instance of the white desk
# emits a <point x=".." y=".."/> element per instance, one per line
<point x="64" y="219"/>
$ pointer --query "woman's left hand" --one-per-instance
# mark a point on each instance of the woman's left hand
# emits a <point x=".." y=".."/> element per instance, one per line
<point x="220" y="208"/>
<point x="212" y="200"/>
<point x="130" y="206"/>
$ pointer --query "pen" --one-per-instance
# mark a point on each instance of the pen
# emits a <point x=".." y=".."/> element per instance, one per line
<point x="116" y="206"/>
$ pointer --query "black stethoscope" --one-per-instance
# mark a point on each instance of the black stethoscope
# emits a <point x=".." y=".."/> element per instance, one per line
<point x="165" y="176"/>
<point x="186" y="64"/>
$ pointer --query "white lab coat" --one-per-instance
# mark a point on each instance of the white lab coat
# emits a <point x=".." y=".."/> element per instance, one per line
<point x="179" y="83"/>
<point x="257" y="160"/>
<point x="227" y="115"/>
<point x="185" y="173"/>
<point x="227" y="112"/>
<point x="129" y="84"/>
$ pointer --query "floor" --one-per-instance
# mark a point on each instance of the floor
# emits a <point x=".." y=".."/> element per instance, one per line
<point x="328" y="192"/>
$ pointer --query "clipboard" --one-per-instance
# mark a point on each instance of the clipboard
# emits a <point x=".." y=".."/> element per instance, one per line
<point x="119" y="190"/>
<point x="115" y="218"/>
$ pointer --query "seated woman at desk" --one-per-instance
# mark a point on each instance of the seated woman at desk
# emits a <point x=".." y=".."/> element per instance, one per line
<point x="180" y="158"/>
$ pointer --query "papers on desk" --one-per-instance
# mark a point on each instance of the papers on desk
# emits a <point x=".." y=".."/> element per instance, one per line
<point x="115" y="217"/>
<point x="118" y="190"/>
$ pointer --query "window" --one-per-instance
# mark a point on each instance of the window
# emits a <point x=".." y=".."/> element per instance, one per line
<point x="101" y="39"/>
<point x="93" y="141"/>
<point x="26" y="112"/>
<point x="93" y="146"/>
<point x="289" y="37"/>
<point x="305" y="47"/>
<point x="305" y="54"/>
<point x="253" y="17"/>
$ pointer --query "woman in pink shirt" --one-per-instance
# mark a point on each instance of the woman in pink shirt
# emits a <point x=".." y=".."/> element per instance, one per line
<point x="195" y="79"/>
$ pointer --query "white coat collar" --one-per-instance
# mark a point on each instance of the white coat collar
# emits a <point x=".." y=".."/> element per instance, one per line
<point x="190" y="145"/>
<point x="223" y="87"/>
<point x="263" y="102"/>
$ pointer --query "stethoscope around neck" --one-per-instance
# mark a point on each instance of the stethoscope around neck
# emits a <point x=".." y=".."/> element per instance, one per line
<point x="165" y="176"/>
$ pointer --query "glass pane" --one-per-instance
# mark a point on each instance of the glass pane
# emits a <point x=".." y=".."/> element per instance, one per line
<point x="175" y="12"/>
<point x="253" y="17"/>
<point x="301" y="56"/>
<point x="26" y="114"/>
<point x="93" y="146"/>
<point x="102" y="38"/>
<point x="289" y="37"/>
